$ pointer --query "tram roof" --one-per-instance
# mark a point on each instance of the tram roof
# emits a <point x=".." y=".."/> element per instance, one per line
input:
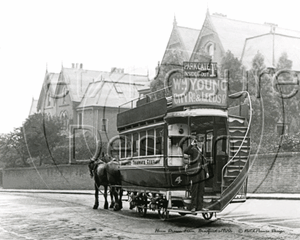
<point x="198" y="112"/>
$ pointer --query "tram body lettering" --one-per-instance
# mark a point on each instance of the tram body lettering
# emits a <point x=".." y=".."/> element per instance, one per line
<point x="139" y="162"/>
<point x="146" y="162"/>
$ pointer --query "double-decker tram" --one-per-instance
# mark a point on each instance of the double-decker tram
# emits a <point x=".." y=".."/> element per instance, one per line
<point x="154" y="138"/>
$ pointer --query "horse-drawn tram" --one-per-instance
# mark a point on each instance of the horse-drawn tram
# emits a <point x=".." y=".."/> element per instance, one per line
<point x="185" y="152"/>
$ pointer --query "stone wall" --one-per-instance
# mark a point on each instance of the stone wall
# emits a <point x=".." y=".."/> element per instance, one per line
<point x="273" y="173"/>
<point x="61" y="177"/>
<point x="269" y="174"/>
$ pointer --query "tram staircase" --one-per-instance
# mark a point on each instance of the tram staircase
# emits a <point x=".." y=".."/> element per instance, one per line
<point x="234" y="175"/>
<point x="239" y="148"/>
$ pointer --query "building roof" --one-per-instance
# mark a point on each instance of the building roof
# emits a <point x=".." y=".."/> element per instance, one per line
<point x="110" y="93"/>
<point x="271" y="46"/>
<point x="233" y="33"/>
<point x="189" y="37"/>
<point x="78" y="80"/>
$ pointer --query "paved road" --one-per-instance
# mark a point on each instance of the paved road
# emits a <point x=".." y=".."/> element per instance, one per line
<point x="278" y="213"/>
<point x="70" y="216"/>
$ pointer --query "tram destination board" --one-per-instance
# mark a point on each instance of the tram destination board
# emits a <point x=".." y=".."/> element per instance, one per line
<point x="199" y="69"/>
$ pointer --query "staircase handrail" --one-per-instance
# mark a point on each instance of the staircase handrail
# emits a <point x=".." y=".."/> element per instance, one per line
<point x="248" y="128"/>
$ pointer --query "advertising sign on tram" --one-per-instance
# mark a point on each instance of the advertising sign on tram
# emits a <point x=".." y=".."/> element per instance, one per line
<point x="199" y="86"/>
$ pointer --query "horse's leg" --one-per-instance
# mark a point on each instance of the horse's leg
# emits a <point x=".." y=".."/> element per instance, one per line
<point x="112" y="203"/>
<point x="120" y="200"/>
<point x="117" y="202"/>
<point x="105" y="197"/>
<point x="96" y="197"/>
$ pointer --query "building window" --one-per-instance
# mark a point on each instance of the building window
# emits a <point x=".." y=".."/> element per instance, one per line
<point x="65" y="94"/>
<point x="48" y="100"/>
<point x="104" y="125"/>
<point x="118" y="88"/>
<point x="64" y="119"/>
<point x="210" y="49"/>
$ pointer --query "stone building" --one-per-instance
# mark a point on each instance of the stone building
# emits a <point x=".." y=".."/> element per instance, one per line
<point x="220" y="34"/>
<point x="83" y="97"/>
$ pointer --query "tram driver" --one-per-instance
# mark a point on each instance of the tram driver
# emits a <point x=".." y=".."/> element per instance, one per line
<point x="196" y="172"/>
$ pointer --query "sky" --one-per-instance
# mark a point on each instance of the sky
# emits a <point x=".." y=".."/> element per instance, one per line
<point x="36" y="35"/>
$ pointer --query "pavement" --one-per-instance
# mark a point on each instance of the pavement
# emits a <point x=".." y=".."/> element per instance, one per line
<point x="278" y="196"/>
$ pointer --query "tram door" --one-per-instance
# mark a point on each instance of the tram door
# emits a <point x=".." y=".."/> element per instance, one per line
<point x="220" y="151"/>
<point x="212" y="130"/>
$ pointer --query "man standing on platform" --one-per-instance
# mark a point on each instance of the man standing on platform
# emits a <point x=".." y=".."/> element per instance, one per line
<point x="196" y="172"/>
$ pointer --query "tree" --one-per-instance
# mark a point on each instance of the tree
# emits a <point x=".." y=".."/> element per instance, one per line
<point x="269" y="106"/>
<point x="284" y="62"/>
<point x="13" y="149"/>
<point x="42" y="135"/>
<point x="39" y="138"/>
<point x="234" y="66"/>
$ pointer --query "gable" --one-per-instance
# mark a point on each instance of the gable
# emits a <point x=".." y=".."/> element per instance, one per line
<point x="207" y="39"/>
<point x="175" y="52"/>
<point x="48" y="87"/>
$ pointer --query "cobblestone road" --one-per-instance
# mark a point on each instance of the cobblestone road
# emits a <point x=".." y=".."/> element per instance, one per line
<point x="69" y="216"/>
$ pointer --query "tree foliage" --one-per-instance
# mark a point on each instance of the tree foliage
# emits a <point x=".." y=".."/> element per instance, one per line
<point x="273" y="109"/>
<point x="38" y="139"/>
<point x="42" y="135"/>
<point x="13" y="149"/>
<point x="233" y="65"/>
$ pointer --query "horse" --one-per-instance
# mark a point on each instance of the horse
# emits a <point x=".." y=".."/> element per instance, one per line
<point x="105" y="173"/>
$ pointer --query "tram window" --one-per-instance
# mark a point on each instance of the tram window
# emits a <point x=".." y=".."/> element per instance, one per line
<point x="135" y="147"/>
<point x="201" y="124"/>
<point x="128" y="146"/>
<point x="143" y="143"/>
<point x="150" y="143"/>
<point x="159" y="141"/>
<point x="209" y="138"/>
<point x="174" y="148"/>
<point x="221" y="147"/>
<point x="123" y="147"/>
<point x="221" y="143"/>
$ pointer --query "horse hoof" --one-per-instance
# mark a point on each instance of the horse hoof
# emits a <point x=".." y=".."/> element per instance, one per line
<point x="95" y="207"/>
<point x="116" y="207"/>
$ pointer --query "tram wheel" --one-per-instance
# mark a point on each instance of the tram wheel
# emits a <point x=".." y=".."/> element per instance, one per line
<point x="163" y="214"/>
<point x="207" y="215"/>
<point x="142" y="211"/>
<point x="182" y="214"/>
